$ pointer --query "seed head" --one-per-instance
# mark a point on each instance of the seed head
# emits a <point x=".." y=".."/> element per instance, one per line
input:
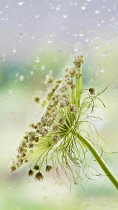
<point x="36" y="167"/>
<point x="48" y="168"/>
<point x="92" y="91"/>
<point x="36" y="99"/>
<point x="30" y="172"/>
<point x="49" y="79"/>
<point x="39" y="176"/>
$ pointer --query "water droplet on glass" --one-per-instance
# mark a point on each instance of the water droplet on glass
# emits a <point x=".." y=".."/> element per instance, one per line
<point x="97" y="47"/>
<point x="19" y="24"/>
<point x="43" y="67"/>
<point x="97" y="37"/>
<point x="109" y="10"/>
<point x="70" y="3"/>
<point x="10" y="91"/>
<point x="31" y="73"/>
<point x="86" y="40"/>
<point x="49" y="41"/>
<point x="37" y="60"/>
<point x="104" y="53"/>
<point x="21" y="78"/>
<point x="6" y="6"/>
<point x="20" y="3"/>
<point x="57" y="8"/>
<point x="65" y="16"/>
<point x="81" y="34"/>
<point x="75" y="49"/>
<point x="37" y="16"/>
<point x="17" y="74"/>
<point x="33" y="37"/>
<point x="112" y="18"/>
<point x="14" y="50"/>
<point x="97" y="12"/>
<point x="83" y="7"/>
<point x="75" y="34"/>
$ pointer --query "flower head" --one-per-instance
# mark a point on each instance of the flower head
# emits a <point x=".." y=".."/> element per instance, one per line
<point x="54" y="139"/>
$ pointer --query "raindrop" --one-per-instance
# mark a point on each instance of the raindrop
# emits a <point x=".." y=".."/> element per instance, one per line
<point x="20" y="3"/>
<point x="10" y="91"/>
<point x="104" y="53"/>
<point x="43" y="67"/>
<point x="97" y="12"/>
<point x="70" y="3"/>
<point x="37" y="60"/>
<point x="83" y="7"/>
<point x="6" y="6"/>
<point x="33" y="37"/>
<point x="14" y="50"/>
<point x="81" y="34"/>
<point x="37" y="16"/>
<point x="31" y="73"/>
<point x="75" y="34"/>
<point x="97" y="47"/>
<point x="49" y="41"/>
<point x="65" y="16"/>
<point x="20" y="25"/>
<point x="102" y="21"/>
<point x="57" y="8"/>
<point x="75" y="49"/>
<point x="21" y="78"/>
<point x="17" y="74"/>
<point x="109" y="10"/>
<point x="86" y="40"/>
<point x="112" y="18"/>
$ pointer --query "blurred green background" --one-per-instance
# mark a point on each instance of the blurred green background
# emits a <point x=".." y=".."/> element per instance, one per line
<point x="39" y="38"/>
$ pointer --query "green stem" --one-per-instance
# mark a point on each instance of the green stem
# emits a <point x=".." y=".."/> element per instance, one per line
<point x="78" y="84"/>
<point x="100" y="161"/>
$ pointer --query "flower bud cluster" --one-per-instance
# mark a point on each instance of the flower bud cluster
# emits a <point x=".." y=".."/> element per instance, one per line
<point x="53" y="121"/>
<point x="49" y="79"/>
<point x="78" y="61"/>
<point x="26" y="144"/>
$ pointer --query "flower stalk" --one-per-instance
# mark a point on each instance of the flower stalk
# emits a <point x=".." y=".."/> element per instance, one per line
<point x="99" y="159"/>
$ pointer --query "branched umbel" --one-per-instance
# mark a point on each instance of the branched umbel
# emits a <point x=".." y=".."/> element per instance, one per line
<point x="59" y="141"/>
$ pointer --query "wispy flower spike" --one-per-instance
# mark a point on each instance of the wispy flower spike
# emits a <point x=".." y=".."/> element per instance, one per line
<point x="63" y="136"/>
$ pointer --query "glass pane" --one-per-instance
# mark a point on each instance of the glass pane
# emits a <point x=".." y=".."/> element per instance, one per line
<point x="40" y="38"/>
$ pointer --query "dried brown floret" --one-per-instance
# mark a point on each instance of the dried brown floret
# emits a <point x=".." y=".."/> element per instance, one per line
<point x="48" y="168"/>
<point x="36" y="167"/>
<point x="36" y="99"/>
<point x="39" y="176"/>
<point x="92" y="91"/>
<point x="12" y="168"/>
<point x="29" y="145"/>
<point x="30" y="172"/>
